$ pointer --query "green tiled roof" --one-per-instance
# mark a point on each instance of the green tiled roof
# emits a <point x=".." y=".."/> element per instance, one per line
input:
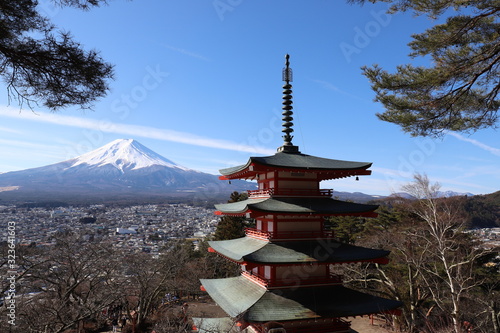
<point x="275" y="307"/>
<point x="325" y="301"/>
<point x="299" y="161"/>
<point x="239" y="296"/>
<point x="237" y="248"/>
<point x="234" y="295"/>
<point x="296" y="206"/>
<point x="290" y="252"/>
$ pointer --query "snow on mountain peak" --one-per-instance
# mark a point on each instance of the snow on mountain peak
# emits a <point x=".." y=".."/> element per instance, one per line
<point x="124" y="154"/>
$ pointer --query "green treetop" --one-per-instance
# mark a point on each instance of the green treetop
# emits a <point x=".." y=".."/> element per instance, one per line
<point x="459" y="90"/>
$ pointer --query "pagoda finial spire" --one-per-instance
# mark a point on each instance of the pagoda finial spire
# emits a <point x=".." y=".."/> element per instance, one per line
<point x="287" y="108"/>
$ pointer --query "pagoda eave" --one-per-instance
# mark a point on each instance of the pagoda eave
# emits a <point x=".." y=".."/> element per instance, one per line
<point x="252" y="171"/>
<point x="241" y="298"/>
<point x="342" y="174"/>
<point x="236" y="261"/>
<point x="251" y="213"/>
<point x="252" y="252"/>
<point x="295" y="206"/>
<point x="252" y="264"/>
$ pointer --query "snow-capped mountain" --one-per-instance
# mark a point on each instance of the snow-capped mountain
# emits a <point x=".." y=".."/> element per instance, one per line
<point x="124" y="154"/>
<point x="449" y="194"/>
<point x="122" y="168"/>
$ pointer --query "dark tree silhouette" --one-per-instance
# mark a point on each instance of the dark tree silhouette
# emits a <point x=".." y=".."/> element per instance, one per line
<point x="52" y="69"/>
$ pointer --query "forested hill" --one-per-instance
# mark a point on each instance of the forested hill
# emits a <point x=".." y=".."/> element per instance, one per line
<point x="484" y="210"/>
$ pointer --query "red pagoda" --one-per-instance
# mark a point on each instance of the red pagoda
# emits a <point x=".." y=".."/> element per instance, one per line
<point x="288" y="281"/>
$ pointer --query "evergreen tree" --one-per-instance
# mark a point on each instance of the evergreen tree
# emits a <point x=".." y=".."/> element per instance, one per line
<point x="230" y="227"/>
<point x="346" y="228"/>
<point x="459" y="90"/>
<point x="483" y="211"/>
<point x="54" y="69"/>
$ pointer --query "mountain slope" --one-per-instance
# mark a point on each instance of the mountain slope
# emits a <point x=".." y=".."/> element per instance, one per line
<point x="484" y="210"/>
<point x="120" y="168"/>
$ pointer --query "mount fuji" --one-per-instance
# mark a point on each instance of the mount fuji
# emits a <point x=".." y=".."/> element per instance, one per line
<point x="124" y="155"/>
<point x="122" y="169"/>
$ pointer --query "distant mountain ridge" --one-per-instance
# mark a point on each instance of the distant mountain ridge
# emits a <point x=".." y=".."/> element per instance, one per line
<point x="125" y="169"/>
<point x="439" y="194"/>
<point x="121" y="169"/>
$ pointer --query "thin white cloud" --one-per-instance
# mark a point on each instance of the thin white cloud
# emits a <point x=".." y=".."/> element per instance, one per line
<point x="493" y="150"/>
<point x="386" y="172"/>
<point x="9" y="130"/>
<point x="32" y="158"/>
<point x="483" y="170"/>
<point x="25" y="144"/>
<point x="185" y="52"/>
<point x="332" y="87"/>
<point x="131" y="130"/>
<point x="391" y="180"/>
<point x="17" y="155"/>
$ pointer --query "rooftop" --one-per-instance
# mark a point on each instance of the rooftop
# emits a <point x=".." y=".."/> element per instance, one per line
<point x="252" y="250"/>
<point x="330" y="168"/>
<point x="296" y="205"/>
<point x="239" y="296"/>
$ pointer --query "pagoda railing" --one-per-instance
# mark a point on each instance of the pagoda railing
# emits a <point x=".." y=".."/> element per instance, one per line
<point x="294" y="281"/>
<point x="291" y="192"/>
<point x="260" y="234"/>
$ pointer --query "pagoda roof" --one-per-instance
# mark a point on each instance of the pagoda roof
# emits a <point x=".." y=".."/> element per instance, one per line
<point x="295" y="205"/>
<point x="296" y="161"/>
<point x="240" y="296"/>
<point x="247" y="249"/>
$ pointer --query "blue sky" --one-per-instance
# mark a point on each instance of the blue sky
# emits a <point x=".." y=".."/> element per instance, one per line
<point x="199" y="82"/>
